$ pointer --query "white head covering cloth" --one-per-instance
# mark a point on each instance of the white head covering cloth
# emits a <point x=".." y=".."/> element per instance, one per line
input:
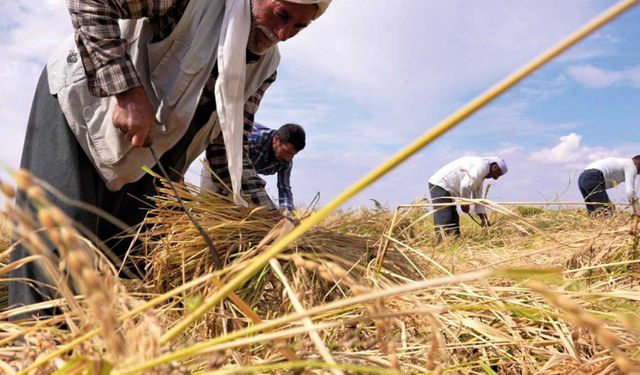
<point x="322" y="5"/>
<point x="501" y="163"/>
<point x="229" y="88"/>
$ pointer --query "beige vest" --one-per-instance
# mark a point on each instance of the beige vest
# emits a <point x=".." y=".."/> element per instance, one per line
<point x="173" y="72"/>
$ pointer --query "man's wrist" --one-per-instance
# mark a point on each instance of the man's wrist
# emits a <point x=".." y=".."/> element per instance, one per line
<point x="125" y="96"/>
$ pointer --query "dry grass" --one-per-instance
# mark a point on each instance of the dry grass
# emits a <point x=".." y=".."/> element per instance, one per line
<point x="4" y="245"/>
<point x="368" y="292"/>
<point x="4" y="232"/>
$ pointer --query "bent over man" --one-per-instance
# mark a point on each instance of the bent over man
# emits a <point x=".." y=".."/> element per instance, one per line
<point x="178" y="74"/>
<point x="270" y="152"/>
<point x="606" y="174"/>
<point x="462" y="178"/>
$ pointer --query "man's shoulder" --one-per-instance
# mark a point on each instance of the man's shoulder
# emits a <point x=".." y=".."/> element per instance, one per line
<point x="260" y="132"/>
<point x="259" y="126"/>
<point x="468" y="160"/>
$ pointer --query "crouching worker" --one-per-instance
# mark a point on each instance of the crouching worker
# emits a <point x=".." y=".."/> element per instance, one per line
<point x="270" y="152"/>
<point x="176" y="74"/>
<point x="605" y="174"/>
<point x="462" y="178"/>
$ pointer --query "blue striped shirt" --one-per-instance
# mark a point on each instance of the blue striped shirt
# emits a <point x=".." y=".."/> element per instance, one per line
<point x="265" y="162"/>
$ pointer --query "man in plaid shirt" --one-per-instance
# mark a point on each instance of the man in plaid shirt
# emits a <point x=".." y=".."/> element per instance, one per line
<point x="270" y="152"/>
<point x="58" y="156"/>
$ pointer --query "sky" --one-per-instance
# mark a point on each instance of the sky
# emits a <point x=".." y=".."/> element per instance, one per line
<point x="370" y="76"/>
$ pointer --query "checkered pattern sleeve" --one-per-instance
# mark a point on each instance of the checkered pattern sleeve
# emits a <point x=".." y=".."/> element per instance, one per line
<point x="253" y="185"/>
<point x="104" y="55"/>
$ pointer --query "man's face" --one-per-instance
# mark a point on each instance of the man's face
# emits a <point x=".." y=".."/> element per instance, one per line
<point x="284" y="151"/>
<point x="274" y="21"/>
<point x="494" y="171"/>
<point x="637" y="162"/>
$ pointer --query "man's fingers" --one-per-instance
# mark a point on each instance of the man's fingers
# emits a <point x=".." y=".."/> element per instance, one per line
<point x="128" y="136"/>
<point x="134" y="115"/>
<point x="123" y="128"/>
<point x="141" y="139"/>
<point x="138" y="139"/>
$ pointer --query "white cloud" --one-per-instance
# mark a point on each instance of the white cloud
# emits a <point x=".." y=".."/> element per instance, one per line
<point x="417" y="60"/>
<point x="532" y="179"/>
<point x="509" y="151"/>
<point x="570" y="150"/>
<point x="595" y="77"/>
<point x="31" y="29"/>
<point x="366" y="79"/>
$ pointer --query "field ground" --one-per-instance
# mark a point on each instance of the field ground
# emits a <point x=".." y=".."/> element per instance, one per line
<point x="370" y="291"/>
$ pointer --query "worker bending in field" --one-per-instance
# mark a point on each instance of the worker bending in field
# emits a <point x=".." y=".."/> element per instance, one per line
<point x="177" y="74"/>
<point x="606" y="174"/>
<point x="270" y="152"/>
<point x="461" y="178"/>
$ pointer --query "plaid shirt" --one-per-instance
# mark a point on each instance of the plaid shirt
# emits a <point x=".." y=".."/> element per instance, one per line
<point x="252" y="184"/>
<point x="109" y="70"/>
<point x="104" y="55"/>
<point x="265" y="162"/>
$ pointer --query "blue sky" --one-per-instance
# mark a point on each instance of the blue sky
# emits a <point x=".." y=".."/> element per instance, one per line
<point x="371" y="75"/>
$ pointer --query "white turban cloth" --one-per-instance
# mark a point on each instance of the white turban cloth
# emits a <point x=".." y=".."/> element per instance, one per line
<point x="501" y="164"/>
<point x="322" y="5"/>
<point x="229" y="88"/>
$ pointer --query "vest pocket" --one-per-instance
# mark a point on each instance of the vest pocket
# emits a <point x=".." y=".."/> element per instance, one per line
<point x="109" y="141"/>
<point x="175" y="72"/>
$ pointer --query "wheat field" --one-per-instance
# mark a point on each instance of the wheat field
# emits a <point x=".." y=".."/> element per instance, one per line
<point x="545" y="289"/>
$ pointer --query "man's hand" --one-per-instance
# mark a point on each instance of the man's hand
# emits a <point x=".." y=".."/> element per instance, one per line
<point x="134" y="115"/>
<point x="465" y="208"/>
<point x="484" y="220"/>
<point x="289" y="216"/>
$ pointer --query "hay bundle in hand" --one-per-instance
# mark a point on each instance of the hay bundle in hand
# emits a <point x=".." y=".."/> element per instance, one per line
<point x="176" y="252"/>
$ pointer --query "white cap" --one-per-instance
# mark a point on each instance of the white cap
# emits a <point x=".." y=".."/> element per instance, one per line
<point x="502" y="165"/>
<point x="322" y="5"/>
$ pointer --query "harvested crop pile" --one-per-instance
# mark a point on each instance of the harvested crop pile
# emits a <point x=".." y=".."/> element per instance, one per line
<point x="369" y="292"/>
<point x="176" y="251"/>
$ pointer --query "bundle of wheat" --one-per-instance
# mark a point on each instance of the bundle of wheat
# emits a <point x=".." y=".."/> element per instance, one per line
<point x="176" y="252"/>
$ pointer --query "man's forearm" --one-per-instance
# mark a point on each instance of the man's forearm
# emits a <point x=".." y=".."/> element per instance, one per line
<point x="285" y="196"/>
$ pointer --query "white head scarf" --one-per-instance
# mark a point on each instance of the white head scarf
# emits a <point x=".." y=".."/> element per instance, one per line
<point x="229" y="88"/>
<point x="322" y="5"/>
<point x="501" y="164"/>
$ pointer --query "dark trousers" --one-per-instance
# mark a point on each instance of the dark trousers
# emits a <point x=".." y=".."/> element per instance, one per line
<point x="445" y="219"/>
<point x="592" y="186"/>
<point x="52" y="153"/>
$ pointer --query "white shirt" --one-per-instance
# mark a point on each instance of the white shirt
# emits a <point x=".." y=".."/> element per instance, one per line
<point x="464" y="178"/>
<point x="616" y="170"/>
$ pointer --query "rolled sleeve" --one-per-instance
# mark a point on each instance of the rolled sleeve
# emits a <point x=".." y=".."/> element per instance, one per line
<point x="112" y="79"/>
<point x="103" y="52"/>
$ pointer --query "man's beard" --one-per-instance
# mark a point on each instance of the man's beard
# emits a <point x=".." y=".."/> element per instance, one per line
<point x="258" y="42"/>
